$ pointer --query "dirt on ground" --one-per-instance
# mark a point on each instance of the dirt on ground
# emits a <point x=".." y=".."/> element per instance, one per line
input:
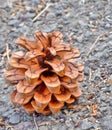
<point x="86" y="24"/>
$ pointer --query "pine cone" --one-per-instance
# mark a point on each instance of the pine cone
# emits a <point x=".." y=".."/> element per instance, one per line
<point x="45" y="75"/>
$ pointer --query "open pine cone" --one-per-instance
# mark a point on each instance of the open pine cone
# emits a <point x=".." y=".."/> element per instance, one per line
<point x="45" y="75"/>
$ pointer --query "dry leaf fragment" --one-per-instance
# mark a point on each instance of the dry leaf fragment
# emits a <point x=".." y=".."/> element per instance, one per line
<point x="77" y="124"/>
<point x="94" y="110"/>
<point x="109" y="81"/>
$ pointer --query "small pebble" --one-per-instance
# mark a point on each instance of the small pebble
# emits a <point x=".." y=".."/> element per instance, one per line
<point x="86" y="125"/>
<point x="14" y="119"/>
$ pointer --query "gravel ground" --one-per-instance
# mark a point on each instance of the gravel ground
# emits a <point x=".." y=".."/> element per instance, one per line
<point x="86" y="24"/>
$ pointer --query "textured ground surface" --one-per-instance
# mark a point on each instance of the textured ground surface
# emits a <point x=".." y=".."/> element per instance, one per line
<point x="86" y="24"/>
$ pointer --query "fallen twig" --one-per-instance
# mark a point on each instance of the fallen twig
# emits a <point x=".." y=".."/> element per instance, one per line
<point x="103" y="81"/>
<point x="93" y="45"/>
<point x="35" y="122"/>
<point x="90" y="74"/>
<point x="47" y="6"/>
<point x="44" y="123"/>
<point x="7" y="51"/>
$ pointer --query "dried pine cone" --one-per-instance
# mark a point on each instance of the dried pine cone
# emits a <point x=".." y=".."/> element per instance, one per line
<point x="45" y="75"/>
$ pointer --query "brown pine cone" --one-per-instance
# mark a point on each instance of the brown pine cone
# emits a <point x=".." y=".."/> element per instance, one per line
<point x="45" y="76"/>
